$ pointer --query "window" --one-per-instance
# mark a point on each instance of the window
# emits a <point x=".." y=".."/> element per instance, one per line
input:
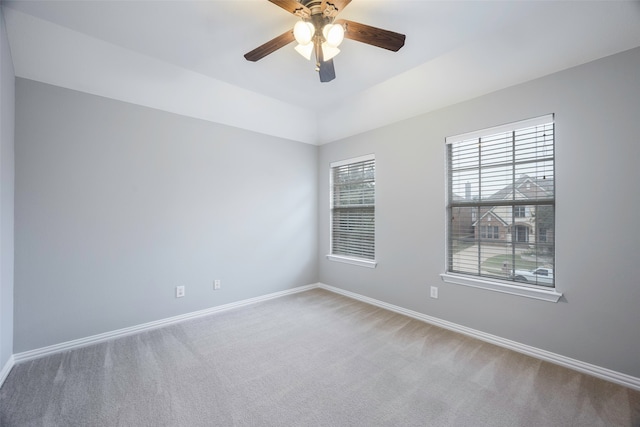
<point x="521" y="234"/>
<point x="504" y="176"/>
<point x="489" y="232"/>
<point x="353" y="211"/>
<point x="542" y="234"/>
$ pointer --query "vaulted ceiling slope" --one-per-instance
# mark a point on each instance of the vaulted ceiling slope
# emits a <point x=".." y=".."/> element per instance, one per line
<point x="186" y="57"/>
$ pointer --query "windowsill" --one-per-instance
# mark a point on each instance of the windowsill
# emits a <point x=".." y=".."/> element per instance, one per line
<point x="550" y="295"/>
<point x="353" y="261"/>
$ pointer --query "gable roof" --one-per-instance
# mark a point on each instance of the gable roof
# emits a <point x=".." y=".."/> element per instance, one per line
<point x="544" y="186"/>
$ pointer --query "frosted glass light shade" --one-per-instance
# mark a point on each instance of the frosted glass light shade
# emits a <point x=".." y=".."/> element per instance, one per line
<point x="329" y="51"/>
<point x="305" y="50"/>
<point x="303" y="32"/>
<point x="333" y="34"/>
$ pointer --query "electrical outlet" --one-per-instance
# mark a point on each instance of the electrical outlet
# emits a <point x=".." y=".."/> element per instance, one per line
<point x="216" y="284"/>
<point x="434" y="292"/>
<point x="179" y="291"/>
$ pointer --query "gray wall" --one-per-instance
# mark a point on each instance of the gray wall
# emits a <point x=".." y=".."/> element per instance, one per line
<point x="7" y="111"/>
<point x="597" y="109"/>
<point x="117" y="204"/>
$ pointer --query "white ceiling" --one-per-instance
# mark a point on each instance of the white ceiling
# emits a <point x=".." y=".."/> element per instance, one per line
<point x="187" y="56"/>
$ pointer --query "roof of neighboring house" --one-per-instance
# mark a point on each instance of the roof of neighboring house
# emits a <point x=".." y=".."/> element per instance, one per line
<point x="493" y="214"/>
<point x="544" y="185"/>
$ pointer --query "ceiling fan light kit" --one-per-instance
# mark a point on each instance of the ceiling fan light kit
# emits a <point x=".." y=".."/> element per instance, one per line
<point x="303" y="32"/>
<point x="333" y="34"/>
<point x="318" y="31"/>
<point x="305" y="50"/>
<point x="307" y="36"/>
<point x="328" y="51"/>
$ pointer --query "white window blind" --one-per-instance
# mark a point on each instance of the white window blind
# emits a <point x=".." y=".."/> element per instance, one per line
<point x="353" y="208"/>
<point x="501" y="203"/>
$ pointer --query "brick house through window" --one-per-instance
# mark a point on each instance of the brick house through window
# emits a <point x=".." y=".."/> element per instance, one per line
<point x="509" y="223"/>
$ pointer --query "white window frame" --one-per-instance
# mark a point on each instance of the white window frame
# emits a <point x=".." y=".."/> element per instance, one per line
<point x="353" y="260"/>
<point x="489" y="283"/>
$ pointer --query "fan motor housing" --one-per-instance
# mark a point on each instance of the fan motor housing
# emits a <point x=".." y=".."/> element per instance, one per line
<point x="315" y="6"/>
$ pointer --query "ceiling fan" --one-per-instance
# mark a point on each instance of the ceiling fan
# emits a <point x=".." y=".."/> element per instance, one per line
<point x="318" y="31"/>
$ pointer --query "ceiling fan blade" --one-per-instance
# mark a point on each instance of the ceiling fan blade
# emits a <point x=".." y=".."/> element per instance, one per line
<point x="270" y="46"/>
<point x="372" y="35"/>
<point x="327" y="71"/>
<point x="325" y="68"/>
<point x="292" y="6"/>
<point x="335" y="6"/>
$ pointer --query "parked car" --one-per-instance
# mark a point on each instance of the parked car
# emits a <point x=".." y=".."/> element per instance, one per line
<point x="540" y="275"/>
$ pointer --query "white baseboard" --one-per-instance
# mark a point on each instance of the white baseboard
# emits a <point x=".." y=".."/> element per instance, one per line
<point x="94" y="339"/>
<point x="4" y="373"/>
<point x="567" y="362"/>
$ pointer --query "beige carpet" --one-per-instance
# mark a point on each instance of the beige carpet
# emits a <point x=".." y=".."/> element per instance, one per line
<point x="309" y="359"/>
